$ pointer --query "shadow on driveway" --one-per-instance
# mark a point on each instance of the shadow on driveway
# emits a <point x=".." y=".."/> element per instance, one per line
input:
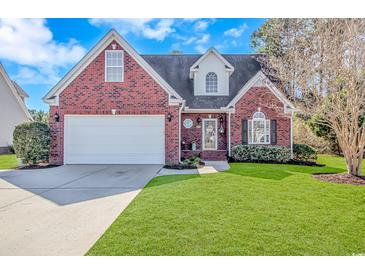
<point x="76" y="183"/>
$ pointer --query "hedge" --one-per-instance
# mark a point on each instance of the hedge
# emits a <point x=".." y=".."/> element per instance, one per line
<point x="302" y="152"/>
<point x="32" y="142"/>
<point x="252" y="153"/>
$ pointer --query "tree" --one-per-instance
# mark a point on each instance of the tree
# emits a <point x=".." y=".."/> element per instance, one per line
<point x="329" y="77"/>
<point x="39" y="115"/>
<point x="325" y="132"/>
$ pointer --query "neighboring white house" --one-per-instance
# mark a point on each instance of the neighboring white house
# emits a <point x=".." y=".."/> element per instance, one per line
<point x="13" y="110"/>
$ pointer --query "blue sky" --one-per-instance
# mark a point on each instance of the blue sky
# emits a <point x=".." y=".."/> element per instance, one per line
<point x="38" y="52"/>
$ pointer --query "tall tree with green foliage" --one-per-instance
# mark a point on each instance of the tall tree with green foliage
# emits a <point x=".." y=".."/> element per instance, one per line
<point x="320" y="63"/>
<point x="39" y="116"/>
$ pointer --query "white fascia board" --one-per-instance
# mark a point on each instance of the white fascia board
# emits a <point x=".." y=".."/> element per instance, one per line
<point x="202" y="110"/>
<point x="176" y="102"/>
<point x="260" y="76"/>
<point x="15" y="92"/>
<point x="95" y="51"/>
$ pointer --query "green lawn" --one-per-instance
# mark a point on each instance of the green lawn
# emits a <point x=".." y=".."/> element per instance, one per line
<point x="252" y="209"/>
<point x="8" y="161"/>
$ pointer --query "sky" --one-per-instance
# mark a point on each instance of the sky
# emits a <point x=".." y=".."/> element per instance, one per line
<point x="37" y="53"/>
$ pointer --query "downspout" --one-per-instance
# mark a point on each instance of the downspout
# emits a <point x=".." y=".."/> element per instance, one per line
<point x="229" y="133"/>
<point x="180" y="109"/>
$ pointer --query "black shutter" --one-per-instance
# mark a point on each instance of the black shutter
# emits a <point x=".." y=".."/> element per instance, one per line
<point x="273" y="132"/>
<point x="244" y="132"/>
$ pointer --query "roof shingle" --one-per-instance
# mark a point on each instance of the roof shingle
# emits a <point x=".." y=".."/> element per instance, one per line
<point x="174" y="69"/>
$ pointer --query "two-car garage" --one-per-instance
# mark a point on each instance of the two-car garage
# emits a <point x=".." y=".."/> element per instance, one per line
<point x="114" y="139"/>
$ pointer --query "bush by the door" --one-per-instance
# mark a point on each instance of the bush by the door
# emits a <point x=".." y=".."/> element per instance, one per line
<point x="302" y="152"/>
<point x="32" y="142"/>
<point x="250" y="153"/>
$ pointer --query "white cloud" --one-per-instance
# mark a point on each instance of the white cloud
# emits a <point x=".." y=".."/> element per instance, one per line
<point x="144" y="27"/>
<point x="27" y="75"/>
<point x="201" y="25"/>
<point x="200" y="49"/>
<point x="189" y="41"/>
<point x="204" y="39"/>
<point x="29" y="42"/>
<point x="236" y="32"/>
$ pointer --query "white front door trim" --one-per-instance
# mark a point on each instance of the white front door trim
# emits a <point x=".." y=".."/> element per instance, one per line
<point x="215" y="130"/>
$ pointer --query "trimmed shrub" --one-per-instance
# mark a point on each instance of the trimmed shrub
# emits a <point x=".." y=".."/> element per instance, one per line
<point x="32" y="142"/>
<point x="302" y="152"/>
<point x="192" y="161"/>
<point x="266" y="154"/>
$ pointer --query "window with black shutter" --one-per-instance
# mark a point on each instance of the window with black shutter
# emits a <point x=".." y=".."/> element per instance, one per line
<point x="273" y="132"/>
<point x="244" y="132"/>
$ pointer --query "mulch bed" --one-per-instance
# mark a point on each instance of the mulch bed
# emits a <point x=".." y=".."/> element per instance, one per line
<point x="341" y="178"/>
<point x="38" y="166"/>
<point x="304" y="163"/>
<point x="290" y="162"/>
<point x="180" y="167"/>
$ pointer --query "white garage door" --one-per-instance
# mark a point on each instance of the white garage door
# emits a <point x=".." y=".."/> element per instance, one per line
<point x="114" y="139"/>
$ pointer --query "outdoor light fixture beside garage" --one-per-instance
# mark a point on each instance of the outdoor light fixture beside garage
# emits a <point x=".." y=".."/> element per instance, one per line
<point x="56" y="117"/>
<point x="169" y="117"/>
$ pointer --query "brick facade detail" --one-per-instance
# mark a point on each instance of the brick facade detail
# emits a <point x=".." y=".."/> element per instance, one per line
<point x="188" y="135"/>
<point x="139" y="94"/>
<point x="270" y="105"/>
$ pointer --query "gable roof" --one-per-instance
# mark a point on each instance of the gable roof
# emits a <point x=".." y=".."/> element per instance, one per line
<point x="112" y="35"/>
<point x="195" y="66"/>
<point x="14" y="91"/>
<point x="175" y="69"/>
<point x="20" y="91"/>
<point x="260" y="79"/>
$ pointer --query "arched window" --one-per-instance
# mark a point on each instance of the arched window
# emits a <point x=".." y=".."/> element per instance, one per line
<point x="211" y="83"/>
<point x="258" y="129"/>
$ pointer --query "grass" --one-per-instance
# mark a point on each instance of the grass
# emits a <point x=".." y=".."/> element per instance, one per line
<point x="252" y="209"/>
<point x="8" y="161"/>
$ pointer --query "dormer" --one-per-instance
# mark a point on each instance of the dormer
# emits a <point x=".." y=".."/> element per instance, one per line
<point x="211" y="74"/>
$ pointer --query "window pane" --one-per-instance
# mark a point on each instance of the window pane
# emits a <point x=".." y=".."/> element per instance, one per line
<point x="249" y="131"/>
<point x="118" y="61"/>
<point x="211" y="82"/>
<point x="258" y="131"/>
<point x="114" y="68"/>
<point x="210" y="134"/>
<point x="267" y="131"/>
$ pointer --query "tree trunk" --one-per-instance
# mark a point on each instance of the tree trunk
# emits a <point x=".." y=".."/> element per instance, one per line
<point x="354" y="165"/>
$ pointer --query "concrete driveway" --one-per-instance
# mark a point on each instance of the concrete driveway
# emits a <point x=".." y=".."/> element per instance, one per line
<point x="64" y="210"/>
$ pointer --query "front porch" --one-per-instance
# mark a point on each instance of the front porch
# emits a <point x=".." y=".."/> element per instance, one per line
<point x="204" y="135"/>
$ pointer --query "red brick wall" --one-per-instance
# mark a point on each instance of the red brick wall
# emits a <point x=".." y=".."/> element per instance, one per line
<point x="90" y="94"/>
<point x="195" y="134"/>
<point x="270" y="105"/>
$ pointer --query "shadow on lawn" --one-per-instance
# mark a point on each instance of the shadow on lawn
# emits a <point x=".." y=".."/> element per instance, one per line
<point x="168" y="179"/>
<point x="277" y="171"/>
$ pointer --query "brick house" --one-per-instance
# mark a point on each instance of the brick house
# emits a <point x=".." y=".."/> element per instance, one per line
<point x="119" y="107"/>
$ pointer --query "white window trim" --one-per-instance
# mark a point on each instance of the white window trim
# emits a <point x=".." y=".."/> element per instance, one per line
<point x="105" y="66"/>
<point x="266" y="121"/>
<point x="216" y="134"/>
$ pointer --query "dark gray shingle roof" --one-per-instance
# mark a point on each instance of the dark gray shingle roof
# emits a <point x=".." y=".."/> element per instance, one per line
<point x="174" y="69"/>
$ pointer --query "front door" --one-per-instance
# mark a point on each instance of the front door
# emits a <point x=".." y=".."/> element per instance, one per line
<point x="209" y="128"/>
